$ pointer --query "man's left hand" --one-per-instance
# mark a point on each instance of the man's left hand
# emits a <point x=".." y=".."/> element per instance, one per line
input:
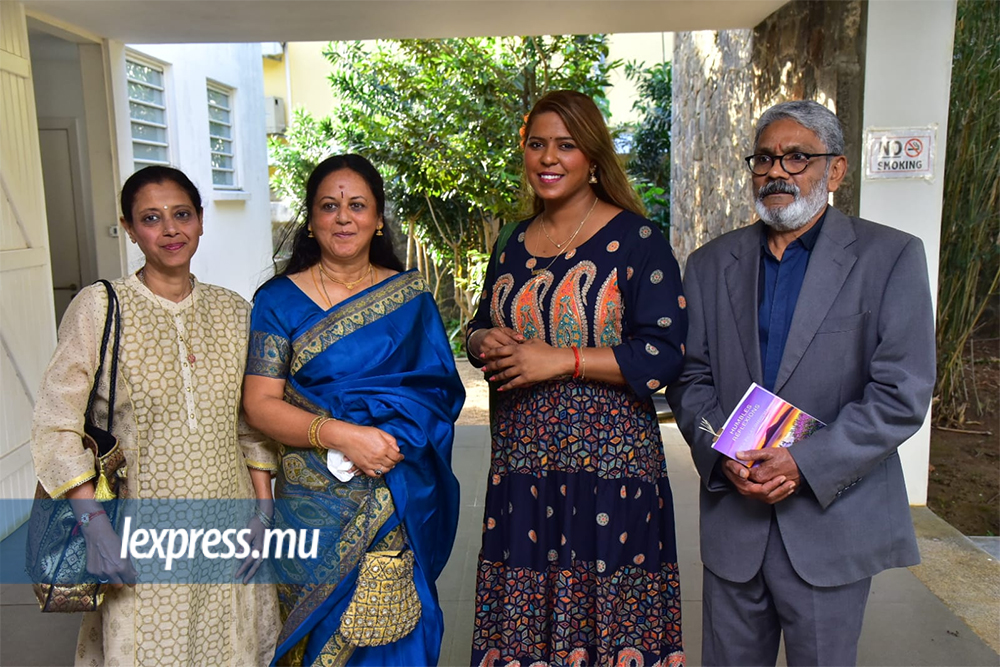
<point x="771" y="462"/>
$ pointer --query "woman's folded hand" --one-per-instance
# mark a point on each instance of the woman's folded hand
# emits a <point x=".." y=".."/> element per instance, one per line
<point x="373" y="451"/>
<point x="524" y="364"/>
<point x="104" y="549"/>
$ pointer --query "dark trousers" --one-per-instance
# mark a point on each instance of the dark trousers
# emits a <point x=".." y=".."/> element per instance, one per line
<point x="743" y="622"/>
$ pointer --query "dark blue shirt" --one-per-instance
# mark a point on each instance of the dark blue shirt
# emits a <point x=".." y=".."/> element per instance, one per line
<point x="779" y="285"/>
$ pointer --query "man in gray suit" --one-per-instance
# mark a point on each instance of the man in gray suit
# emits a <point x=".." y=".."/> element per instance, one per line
<point x="833" y="314"/>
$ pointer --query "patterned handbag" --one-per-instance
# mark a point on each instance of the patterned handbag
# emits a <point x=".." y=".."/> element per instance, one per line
<point x="56" y="548"/>
<point x="385" y="606"/>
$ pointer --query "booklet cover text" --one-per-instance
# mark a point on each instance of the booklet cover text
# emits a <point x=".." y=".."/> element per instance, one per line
<point x="762" y="419"/>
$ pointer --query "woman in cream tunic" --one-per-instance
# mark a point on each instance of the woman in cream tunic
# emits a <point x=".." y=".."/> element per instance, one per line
<point x="177" y="418"/>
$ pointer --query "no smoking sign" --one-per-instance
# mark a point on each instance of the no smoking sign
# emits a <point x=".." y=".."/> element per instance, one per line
<point x="900" y="153"/>
<point x="913" y="148"/>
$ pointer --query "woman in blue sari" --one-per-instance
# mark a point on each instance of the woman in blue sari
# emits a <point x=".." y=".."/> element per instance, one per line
<point x="350" y="369"/>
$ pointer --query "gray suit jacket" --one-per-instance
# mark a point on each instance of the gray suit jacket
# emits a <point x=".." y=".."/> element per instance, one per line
<point x="859" y="356"/>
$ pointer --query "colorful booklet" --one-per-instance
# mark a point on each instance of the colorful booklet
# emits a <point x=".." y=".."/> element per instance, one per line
<point x="763" y="420"/>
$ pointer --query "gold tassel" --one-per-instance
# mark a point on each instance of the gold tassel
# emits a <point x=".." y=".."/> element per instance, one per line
<point x="103" y="490"/>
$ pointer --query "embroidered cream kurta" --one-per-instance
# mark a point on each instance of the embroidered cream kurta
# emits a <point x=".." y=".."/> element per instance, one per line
<point x="180" y="428"/>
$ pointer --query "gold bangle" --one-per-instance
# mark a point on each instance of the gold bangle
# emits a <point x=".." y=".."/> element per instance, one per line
<point x="314" y="428"/>
<point x="583" y="365"/>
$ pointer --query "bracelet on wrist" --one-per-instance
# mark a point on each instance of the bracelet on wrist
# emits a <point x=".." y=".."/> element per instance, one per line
<point x="576" y="362"/>
<point x="314" y="429"/>
<point x="267" y="521"/>
<point x="583" y="366"/>
<point x="85" y="520"/>
<point x="468" y="338"/>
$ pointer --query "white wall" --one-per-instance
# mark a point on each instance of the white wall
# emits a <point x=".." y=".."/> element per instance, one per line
<point x="235" y="251"/>
<point x="647" y="48"/>
<point x="68" y="80"/>
<point x="907" y="84"/>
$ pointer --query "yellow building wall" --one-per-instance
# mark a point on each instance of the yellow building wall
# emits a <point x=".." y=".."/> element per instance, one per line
<point x="274" y="78"/>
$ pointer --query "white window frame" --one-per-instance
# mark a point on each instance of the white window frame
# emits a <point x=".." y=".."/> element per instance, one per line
<point x="230" y="93"/>
<point x="163" y="69"/>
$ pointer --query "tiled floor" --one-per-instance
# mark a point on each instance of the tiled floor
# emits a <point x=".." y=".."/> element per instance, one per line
<point x="905" y="623"/>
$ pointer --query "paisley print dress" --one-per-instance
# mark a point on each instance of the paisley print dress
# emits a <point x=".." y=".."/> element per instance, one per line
<point x="578" y="564"/>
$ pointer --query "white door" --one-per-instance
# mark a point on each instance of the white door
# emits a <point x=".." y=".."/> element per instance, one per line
<point x="27" y="321"/>
<point x="63" y="208"/>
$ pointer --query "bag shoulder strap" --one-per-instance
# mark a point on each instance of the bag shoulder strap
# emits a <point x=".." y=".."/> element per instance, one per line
<point x="113" y="317"/>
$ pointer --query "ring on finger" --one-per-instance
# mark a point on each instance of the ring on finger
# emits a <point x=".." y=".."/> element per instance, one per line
<point x="102" y="581"/>
<point x="378" y="472"/>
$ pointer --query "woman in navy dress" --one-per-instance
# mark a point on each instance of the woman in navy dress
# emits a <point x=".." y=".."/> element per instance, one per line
<point x="581" y="320"/>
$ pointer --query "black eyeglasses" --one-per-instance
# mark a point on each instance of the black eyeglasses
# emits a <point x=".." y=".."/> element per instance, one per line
<point x="792" y="163"/>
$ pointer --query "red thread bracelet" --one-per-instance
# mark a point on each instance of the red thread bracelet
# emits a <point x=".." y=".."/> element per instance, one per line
<point x="85" y="520"/>
<point x="576" y="364"/>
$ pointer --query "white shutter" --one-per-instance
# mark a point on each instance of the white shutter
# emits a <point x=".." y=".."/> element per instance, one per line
<point x="27" y="317"/>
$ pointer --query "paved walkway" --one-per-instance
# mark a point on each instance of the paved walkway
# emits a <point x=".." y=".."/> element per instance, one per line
<point x="906" y="623"/>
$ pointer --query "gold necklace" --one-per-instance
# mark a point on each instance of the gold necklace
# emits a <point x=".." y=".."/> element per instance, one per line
<point x="321" y="288"/>
<point x="552" y="240"/>
<point x="568" y="242"/>
<point x="348" y="285"/>
<point x="187" y="346"/>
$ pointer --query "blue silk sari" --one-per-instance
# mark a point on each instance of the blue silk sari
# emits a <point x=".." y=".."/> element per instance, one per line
<point x="380" y="358"/>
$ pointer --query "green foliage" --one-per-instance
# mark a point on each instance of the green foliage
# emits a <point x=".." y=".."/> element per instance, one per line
<point x="650" y="161"/>
<point x="970" y="256"/>
<point x="294" y="156"/>
<point x="440" y="119"/>
<point x="657" y="203"/>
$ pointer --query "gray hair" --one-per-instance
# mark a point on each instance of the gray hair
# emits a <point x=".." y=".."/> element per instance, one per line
<point x="810" y="115"/>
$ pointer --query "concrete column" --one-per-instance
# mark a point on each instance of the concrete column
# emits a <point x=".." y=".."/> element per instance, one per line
<point x="907" y="84"/>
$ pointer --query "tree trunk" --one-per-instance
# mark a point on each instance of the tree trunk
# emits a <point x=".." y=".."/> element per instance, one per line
<point x="411" y="240"/>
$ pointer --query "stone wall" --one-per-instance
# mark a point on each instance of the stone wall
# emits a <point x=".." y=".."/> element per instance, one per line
<point x="815" y="50"/>
<point x="712" y="117"/>
<point x="808" y="49"/>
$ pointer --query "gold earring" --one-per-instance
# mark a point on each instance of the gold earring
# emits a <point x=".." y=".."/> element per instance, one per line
<point x="593" y="174"/>
<point x="378" y="231"/>
<point x="311" y="235"/>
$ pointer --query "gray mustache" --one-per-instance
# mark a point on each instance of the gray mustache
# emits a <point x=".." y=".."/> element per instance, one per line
<point x="778" y="187"/>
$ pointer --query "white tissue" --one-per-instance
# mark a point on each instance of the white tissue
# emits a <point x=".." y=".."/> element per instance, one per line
<point x="339" y="465"/>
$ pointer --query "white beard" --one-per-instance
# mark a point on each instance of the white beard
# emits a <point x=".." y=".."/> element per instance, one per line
<point x="799" y="212"/>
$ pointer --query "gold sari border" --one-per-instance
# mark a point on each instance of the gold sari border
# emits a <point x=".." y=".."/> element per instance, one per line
<point x="268" y="355"/>
<point x="299" y="400"/>
<point x="381" y="301"/>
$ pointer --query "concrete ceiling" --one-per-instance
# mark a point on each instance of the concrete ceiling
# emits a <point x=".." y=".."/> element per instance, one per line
<point x="204" y="21"/>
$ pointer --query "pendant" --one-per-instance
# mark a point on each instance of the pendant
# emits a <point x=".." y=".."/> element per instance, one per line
<point x="192" y="359"/>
